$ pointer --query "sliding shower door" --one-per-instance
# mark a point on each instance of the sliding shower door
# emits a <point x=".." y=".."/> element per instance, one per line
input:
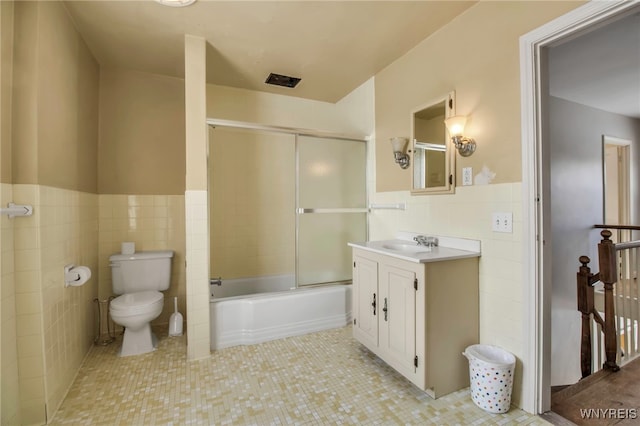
<point x="331" y="209"/>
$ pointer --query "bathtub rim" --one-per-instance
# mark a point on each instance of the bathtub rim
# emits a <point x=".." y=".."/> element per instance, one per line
<point x="269" y="293"/>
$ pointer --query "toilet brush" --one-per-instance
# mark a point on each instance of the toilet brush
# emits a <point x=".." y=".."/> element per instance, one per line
<point x="175" y="322"/>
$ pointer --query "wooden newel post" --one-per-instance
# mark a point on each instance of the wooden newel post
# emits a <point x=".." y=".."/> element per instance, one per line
<point x="585" y="295"/>
<point x="608" y="276"/>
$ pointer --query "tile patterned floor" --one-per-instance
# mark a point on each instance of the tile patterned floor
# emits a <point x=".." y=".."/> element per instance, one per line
<point x="323" y="378"/>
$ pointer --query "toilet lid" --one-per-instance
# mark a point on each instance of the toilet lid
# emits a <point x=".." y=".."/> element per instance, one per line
<point x="136" y="300"/>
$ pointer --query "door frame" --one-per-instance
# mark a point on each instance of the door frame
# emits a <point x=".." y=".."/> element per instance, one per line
<point x="536" y="397"/>
<point x="623" y="176"/>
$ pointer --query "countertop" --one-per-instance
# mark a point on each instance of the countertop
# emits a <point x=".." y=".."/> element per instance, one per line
<point x="447" y="249"/>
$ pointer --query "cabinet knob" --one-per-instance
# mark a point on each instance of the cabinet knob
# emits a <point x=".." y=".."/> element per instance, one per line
<point x="374" y="304"/>
<point x="384" y="309"/>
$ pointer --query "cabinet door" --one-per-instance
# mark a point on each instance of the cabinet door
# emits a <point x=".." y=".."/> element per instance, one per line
<point x="398" y="318"/>
<point x="365" y="301"/>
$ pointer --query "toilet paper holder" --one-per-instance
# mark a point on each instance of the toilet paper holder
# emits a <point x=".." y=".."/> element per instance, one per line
<point x="75" y="276"/>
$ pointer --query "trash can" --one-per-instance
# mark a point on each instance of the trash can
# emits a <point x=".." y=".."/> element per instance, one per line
<point x="491" y="377"/>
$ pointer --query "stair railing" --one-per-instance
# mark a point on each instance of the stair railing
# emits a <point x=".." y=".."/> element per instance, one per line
<point x="608" y="263"/>
<point x="619" y="264"/>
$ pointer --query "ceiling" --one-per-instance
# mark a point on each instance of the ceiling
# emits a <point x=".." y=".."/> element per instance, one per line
<point x="600" y="69"/>
<point x="334" y="46"/>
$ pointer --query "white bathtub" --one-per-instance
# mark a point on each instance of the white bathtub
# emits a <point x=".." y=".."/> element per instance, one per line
<point x="255" y="318"/>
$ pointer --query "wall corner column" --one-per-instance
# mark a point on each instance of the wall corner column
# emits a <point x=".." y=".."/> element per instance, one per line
<point x="196" y="199"/>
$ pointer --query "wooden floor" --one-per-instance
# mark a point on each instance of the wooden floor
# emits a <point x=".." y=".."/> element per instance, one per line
<point x="604" y="398"/>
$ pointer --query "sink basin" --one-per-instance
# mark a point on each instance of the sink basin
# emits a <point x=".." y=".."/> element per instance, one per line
<point x="407" y="248"/>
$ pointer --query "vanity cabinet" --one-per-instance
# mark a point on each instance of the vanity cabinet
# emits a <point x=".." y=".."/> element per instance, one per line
<point x="417" y="317"/>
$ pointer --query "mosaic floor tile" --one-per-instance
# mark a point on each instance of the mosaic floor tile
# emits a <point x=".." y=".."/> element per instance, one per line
<point x="324" y="378"/>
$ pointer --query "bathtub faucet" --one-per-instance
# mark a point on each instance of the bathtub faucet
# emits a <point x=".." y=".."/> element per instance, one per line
<point x="426" y="241"/>
<point x="215" y="281"/>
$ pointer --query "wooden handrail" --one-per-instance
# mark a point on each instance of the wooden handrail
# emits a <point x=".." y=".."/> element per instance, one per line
<point x="630" y="227"/>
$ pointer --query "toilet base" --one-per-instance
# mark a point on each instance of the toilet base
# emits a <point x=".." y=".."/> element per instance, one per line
<point x="137" y="342"/>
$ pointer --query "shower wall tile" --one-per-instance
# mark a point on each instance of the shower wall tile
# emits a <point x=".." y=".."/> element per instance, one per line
<point x="152" y="222"/>
<point x="467" y="214"/>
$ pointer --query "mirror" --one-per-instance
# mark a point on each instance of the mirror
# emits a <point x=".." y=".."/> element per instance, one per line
<point x="433" y="162"/>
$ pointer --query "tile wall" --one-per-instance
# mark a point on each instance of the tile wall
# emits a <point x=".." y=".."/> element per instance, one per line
<point x="197" y="234"/>
<point x="152" y="222"/>
<point x="29" y="309"/>
<point x="9" y="355"/>
<point x="47" y="329"/>
<point x="467" y="214"/>
<point x="68" y="234"/>
<point x="54" y="325"/>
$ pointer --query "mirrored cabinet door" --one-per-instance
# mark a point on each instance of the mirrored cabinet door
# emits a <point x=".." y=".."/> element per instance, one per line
<point x="433" y="162"/>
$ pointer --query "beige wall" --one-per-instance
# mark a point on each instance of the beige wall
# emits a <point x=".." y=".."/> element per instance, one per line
<point x="484" y="72"/>
<point x="52" y="166"/>
<point x="67" y="105"/>
<point x="6" y="75"/>
<point x="350" y="116"/>
<point x="480" y="61"/>
<point x="142" y="134"/>
<point x="24" y="158"/>
<point x="55" y="111"/>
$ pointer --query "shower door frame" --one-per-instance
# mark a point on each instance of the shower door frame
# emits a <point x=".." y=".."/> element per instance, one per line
<point x="297" y="132"/>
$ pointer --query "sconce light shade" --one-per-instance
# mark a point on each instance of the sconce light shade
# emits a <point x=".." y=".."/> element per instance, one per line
<point x="399" y="144"/>
<point x="455" y="125"/>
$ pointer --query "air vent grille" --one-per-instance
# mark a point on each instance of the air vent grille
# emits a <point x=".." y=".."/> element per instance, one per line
<point x="282" y="80"/>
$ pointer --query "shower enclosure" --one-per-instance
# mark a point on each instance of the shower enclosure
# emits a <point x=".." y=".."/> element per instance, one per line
<point x="283" y="204"/>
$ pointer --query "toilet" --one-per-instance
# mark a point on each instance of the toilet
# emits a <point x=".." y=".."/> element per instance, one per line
<point x="138" y="279"/>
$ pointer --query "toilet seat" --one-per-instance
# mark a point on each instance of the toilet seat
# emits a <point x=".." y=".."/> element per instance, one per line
<point x="136" y="303"/>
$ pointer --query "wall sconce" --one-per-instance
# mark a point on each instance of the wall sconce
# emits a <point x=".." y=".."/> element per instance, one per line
<point x="399" y="145"/>
<point x="455" y="125"/>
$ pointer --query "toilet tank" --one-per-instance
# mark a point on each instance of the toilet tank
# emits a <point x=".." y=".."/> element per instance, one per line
<point x="141" y="271"/>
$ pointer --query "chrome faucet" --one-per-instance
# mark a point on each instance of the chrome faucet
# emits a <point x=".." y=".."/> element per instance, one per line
<point x="423" y="240"/>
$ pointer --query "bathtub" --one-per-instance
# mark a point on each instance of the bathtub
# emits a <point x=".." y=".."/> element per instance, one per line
<point x="254" y="318"/>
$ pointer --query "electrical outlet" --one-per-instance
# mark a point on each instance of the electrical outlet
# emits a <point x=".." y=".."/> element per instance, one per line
<point x="467" y="176"/>
<point x="502" y="222"/>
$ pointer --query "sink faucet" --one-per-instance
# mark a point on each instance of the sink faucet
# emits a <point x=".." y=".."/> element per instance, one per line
<point x="426" y="241"/>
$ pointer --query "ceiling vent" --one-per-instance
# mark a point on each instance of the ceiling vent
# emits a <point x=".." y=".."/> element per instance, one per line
<point x="176" y="3"/>
<point x="282" y="80"/>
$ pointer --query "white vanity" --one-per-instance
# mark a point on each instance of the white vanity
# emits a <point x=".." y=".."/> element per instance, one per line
<point x="416" y="307"/>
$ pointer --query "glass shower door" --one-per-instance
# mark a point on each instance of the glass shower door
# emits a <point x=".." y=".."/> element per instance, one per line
<point x="331" y="204"/>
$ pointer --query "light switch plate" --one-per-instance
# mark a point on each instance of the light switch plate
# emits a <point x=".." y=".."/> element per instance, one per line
<point x="467" y="176"/>
<point x="502" y="222"/>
